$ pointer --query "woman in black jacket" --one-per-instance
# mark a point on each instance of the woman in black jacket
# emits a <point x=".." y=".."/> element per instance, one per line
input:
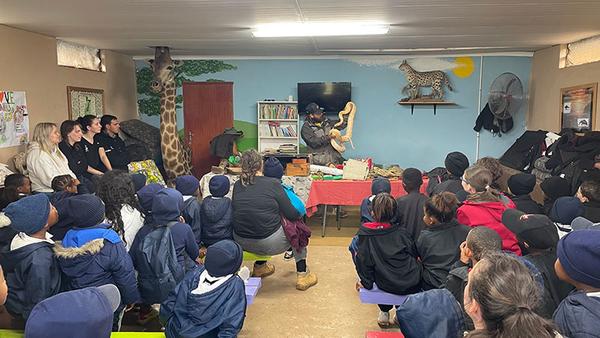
<point x="258" y="205"/>
<point x="386" y="255"/>
<point x="438" y="245"/>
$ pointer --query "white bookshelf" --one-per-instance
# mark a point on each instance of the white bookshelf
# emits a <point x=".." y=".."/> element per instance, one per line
<point x="278" y="123"/>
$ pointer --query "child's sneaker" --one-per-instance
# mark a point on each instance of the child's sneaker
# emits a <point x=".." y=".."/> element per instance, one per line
<point x="288" y="255"/>
<point x="305" y="280"/>
<point x="383" y="320"/>
<point x="263" y="270"/>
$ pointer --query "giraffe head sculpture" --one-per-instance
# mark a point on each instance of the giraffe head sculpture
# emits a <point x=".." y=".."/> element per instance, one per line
<point x="163" y="67"/>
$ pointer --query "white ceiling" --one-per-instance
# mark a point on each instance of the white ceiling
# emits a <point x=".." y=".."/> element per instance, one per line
<point x="223" y="28"/>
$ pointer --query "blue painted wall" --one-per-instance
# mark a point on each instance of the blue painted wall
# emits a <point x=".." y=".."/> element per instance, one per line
<point x="383" y="130"/>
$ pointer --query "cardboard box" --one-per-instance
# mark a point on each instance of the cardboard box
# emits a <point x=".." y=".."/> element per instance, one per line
<point x="356" y="170"/>
<point x="297" y="169"/>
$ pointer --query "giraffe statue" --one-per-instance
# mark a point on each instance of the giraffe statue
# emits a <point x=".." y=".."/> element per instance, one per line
<point x="176" y="158"/>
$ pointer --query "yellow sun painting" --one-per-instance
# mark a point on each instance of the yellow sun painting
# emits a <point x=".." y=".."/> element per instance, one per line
<point x="464" y="66"/>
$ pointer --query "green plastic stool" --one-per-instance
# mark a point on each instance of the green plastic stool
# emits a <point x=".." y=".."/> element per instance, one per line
<point x="249" y="256"/>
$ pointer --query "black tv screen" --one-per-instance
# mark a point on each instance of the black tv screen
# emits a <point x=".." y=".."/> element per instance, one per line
<point x="331" y="96"/>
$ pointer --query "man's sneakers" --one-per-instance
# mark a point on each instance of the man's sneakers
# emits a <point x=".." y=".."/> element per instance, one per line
<point x="263" y="270"/>
<point x="305" y="280"/>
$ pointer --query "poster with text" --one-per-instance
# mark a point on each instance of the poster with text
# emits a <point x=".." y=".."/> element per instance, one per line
<point x="14" y="119"/>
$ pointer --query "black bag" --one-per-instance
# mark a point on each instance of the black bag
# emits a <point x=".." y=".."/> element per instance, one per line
<point x="526" y="149"/>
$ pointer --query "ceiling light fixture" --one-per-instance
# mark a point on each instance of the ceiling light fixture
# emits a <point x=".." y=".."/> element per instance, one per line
<point x="319" y="29"/>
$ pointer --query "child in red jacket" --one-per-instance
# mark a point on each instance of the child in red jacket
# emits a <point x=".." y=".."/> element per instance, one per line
<point x="484" y="206"/>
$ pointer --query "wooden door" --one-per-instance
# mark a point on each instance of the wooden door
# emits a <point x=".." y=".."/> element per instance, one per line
<point x="207" y="110"/>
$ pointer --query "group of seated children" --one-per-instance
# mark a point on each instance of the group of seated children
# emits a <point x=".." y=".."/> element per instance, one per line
<point x="481" y="260"/>
<point x="140" y="238"/>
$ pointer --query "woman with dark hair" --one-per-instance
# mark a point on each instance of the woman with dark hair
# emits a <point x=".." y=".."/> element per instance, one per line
<point x="258" y="205"/>
<point x="485" y="205"/>
<point x="500" y="298"/>
<point x="73" y="151"/>
<point x="123" y="211"/>
<point x="94" y="153"/>
<point x="438" y="245"/>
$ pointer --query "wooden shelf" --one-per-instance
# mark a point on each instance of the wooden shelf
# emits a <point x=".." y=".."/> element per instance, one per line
<point x="277" y="120"/>
<point x="412" y="105"/>
<point x="278" y="102"/>
<point x="279" y="137"/>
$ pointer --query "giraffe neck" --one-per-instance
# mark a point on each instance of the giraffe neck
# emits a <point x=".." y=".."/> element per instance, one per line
<point x="171" y="149"/>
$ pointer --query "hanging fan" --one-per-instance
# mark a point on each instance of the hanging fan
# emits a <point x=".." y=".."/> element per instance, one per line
<point x="506" y="96"/>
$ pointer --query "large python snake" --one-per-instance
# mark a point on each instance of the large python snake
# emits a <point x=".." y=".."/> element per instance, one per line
<point x="338" y="140"/>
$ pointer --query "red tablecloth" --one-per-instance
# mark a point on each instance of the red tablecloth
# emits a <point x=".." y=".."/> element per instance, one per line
<point x="345" y="192"/>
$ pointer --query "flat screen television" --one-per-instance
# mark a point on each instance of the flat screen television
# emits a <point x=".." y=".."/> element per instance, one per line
<point x="331" y="96"/>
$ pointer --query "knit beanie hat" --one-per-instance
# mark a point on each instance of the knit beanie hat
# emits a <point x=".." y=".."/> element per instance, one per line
<point x="146" y="195"/>
<point x="521" y="184"/>
<point x="223" y="258"/>
<point x="566" y="209"/>
<point x="218" y="185"/>
<point x="381" y="184"/>
<point x="85" y="210"/>
<point x="187" y="185"/>
<point x="456" y="163"/>
<point x="273" y="168"/>
<point x="28" y="215"/>
<point x="537" y="230"/>
<point x="555" y="187"/>
<point x="139" y="181"/>
<point x="579" y="254"/>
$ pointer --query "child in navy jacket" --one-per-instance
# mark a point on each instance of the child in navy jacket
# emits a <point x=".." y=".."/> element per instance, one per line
<point x="189" y="187"/>
<point x="216" y="212"/>
<point x="31" y="270"/>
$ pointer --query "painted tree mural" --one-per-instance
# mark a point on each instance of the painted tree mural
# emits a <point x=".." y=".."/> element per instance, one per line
<point x="149" y="102"/>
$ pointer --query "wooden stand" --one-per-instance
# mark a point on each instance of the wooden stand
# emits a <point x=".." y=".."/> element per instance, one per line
<point x="425" y="102"/>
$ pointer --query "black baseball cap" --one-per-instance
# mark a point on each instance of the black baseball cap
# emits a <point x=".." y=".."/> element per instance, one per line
<point x="537" y="230"/>
<point x="313" y="108"/>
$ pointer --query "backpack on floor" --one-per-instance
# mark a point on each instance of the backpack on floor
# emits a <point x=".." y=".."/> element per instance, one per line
<point x="158" y="269"/>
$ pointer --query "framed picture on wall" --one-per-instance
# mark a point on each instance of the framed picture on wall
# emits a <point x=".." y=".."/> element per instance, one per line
<point x="578" y="107"/>
<point x="85" y="101"/>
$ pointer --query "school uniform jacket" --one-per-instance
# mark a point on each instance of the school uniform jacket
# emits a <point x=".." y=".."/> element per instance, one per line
<point x="32" y="275"/>
<point x="216" y="219"/>
<point x="387" y="257"/>
<point x="96" y="256"/>
<point x="527" y="205"/>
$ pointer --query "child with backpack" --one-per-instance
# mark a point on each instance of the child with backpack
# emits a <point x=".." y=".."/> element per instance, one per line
<point x="160" y="249"/>
<point x="386" y="254"/>
<point x="216" y="212"/>
<point x="31" y="270"/>
<point x="92" y="254"/>
<point x="211" y="300"/>
<point x="189" y="187"/>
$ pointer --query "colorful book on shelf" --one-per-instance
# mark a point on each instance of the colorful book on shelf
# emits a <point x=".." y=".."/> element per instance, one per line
<point x="278" y="111"/>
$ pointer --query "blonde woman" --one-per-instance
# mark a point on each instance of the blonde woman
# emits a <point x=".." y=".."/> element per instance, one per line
<point x="44" y="160"/>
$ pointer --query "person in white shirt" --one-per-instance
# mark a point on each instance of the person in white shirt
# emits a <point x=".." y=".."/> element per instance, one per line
<point x="44" y="160"/>
<point x="123" y="210"/>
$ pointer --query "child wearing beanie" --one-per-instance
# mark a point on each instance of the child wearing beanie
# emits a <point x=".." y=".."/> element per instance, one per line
<point x="31" y="270"/>
<point x="456" y="163"/>
<point x="211" y="299"/>
<point x="216" y="212"/>
<point x="578" y="260"/>
<point x="521" y="186"/>
<point x="189" y="187"/>
<point x="554" y="187"/>
<point x="92" y="254"/>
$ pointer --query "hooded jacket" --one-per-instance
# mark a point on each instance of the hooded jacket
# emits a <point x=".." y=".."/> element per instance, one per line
<point x="438" y="247"/>
<point x="555" y="290"/>
<point x="489" y="214"/>
<point x="32" y="275"/>
<point x="191" y="215"/>
<point x="65" y="223"/>
<point x="43" y="167"/>
<point x="316" y="137"/>
<point x="591" y="211"/>
<point x="96" y="256"/>
<point x="578" y="315"/>
<point x="527" y="205"/>
<point x="410" y="213"/>
<point x="433" y="313"/>
<point x="387" y="257"/>
<point x="216" y="215"/>
<point x="219" y="312"/>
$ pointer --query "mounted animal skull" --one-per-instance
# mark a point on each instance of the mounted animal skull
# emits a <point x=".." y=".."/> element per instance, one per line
<point x="163" y="67"/>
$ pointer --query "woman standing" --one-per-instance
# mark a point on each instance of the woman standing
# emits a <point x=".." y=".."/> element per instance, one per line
<point x="258" y="204"/>
<point x="44" y="159"/>
<point x="94" y="153"/>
